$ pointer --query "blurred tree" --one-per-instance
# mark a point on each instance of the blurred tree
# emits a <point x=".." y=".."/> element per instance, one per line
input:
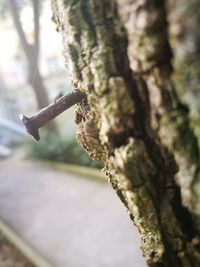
<point x="31" y="51"/>
<point x="3" y="7"/>
<point x="120" y="53"/>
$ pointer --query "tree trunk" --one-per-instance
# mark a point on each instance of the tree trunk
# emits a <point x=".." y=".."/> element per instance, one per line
<point x="31" y="52"/>
<point x="37" y="84"/>
<point x="120" y="55"/>
<point x="36" y="81"/>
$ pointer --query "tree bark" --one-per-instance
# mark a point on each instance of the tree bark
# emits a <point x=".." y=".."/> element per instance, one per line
<point x="120" y="55"/>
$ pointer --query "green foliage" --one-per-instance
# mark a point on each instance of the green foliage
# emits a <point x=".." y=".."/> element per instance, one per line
<point x="53" y="147"/>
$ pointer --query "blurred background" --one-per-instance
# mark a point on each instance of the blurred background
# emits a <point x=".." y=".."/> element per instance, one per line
<point x="67" y="215"/>
<point x="32" y="75"/>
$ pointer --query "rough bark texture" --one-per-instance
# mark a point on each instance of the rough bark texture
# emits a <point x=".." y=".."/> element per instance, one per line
<point x="185" y="41"/>
<point x="120" y="55"/>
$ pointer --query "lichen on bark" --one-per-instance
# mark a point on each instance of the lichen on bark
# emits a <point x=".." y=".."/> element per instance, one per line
<point x="120" y="57"/>
<point x="169" y="116"/>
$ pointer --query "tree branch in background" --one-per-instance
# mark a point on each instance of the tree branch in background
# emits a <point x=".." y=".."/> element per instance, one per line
<point x="32" y="53"/>
<point x="36" y="26"/>
<point x="14" y="10"/>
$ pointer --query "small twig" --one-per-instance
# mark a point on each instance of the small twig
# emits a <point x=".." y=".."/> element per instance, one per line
<point x="41" y="118"/>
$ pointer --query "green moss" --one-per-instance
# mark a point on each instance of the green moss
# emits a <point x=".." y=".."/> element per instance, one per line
<point x="144" y="218"/>
<point x="70" y="2"/>
<point x="197" y="191"/>
<point x="117" y="109"/>
<point x="186" y="140"/>
<point x="187" y="82"/>
<point x="133" y="173"/>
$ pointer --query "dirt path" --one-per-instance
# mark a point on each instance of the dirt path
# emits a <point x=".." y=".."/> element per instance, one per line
<point x="10" y="256"/>
<point x="71" y="221"/>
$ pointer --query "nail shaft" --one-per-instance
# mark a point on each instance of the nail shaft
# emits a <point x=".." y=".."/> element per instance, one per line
<point x="42" y="117"/>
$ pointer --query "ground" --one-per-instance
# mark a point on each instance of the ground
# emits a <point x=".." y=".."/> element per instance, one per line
<point x="70" y="220"/>
<point x="10" y="256"/>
